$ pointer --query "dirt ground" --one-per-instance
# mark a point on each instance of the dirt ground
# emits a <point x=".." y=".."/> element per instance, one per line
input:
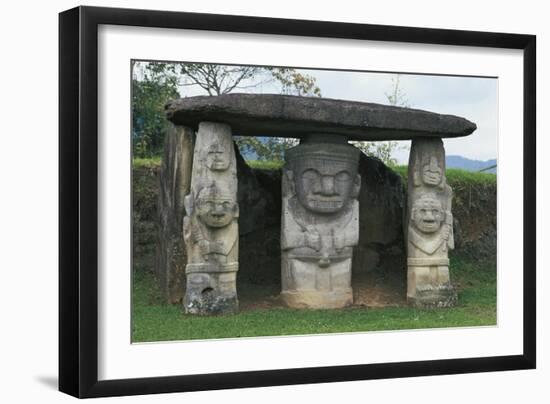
<point x="369" y="290"/>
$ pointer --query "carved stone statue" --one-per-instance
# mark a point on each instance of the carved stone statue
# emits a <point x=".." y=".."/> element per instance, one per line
<point x="210" y="229"/>
<point x="430" y="227"/>
<point x="320" y="224"/>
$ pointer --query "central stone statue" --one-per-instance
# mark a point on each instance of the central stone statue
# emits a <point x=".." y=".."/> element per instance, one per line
<point x="320" y="223"/>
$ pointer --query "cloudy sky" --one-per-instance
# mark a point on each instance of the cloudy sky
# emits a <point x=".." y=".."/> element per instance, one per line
<point x="473" y="98"/>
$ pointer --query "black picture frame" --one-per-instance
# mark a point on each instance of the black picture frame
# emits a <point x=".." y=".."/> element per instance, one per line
<point x="78" y="201"/>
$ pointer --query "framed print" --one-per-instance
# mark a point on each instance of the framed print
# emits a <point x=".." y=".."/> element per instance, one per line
<point x="251" y="201"/>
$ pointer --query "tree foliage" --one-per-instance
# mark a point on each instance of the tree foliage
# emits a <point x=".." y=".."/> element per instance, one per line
<point x="155" y="83"/>
<point x="150" y="92"/>
<point x="385" y="151"/>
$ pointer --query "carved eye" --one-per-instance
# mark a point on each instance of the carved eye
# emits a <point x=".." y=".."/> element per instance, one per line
<point x="342" y="176"/>
<point x="310" y="176"/>
<point x="226" y="205"/>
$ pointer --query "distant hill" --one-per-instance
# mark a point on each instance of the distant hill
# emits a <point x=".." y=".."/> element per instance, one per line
<point x="470" y="165"/>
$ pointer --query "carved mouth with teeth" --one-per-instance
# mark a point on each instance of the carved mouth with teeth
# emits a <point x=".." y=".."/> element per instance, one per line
<point x="432" y="178"/>
<point x="329" y="204"/>
<point x="429" y="225"/>
<point x="429" y="222"/>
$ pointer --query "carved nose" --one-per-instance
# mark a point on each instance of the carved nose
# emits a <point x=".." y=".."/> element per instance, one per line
<point x="327" y="185"/>
<point x="218" y="213"/>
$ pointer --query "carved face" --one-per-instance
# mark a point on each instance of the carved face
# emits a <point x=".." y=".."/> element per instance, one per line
<point x="217" y="156"/>
<point x="432" y="173"/>
<point x="216" y="210"/>
<point x="325" y="186"/>
<point x="427" y="214"/>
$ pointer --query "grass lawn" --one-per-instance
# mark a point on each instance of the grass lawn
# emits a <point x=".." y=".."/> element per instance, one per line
<point x="154" y="321"/>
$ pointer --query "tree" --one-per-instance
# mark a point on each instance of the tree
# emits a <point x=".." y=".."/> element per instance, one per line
<point x="150" y="92"/>
<point x="397" y="97"/>
<point x="155" y="83"/>
<point x="385" y="150"/>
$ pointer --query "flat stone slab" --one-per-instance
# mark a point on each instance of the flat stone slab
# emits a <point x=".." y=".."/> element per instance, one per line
<point x="293" y="116"/>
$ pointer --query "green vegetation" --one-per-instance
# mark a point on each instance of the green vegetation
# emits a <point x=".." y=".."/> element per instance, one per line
<point x="150" y="92"/>
<point x="454" y="176"/>
<point x="457" y="176"/>
<point x="262" y="315"/>
<point x="154" y="84"/>
<point x="266" y="164"/>
<point x="146" y="162"/>
<point x="154" y="321"/>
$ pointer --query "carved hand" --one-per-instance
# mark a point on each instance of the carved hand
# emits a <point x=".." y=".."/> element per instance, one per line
<point x="445" y="231"/>
<point x="204" y="246"/>
<point x="313" y="239"/>
<point x="186" y="229"/>
<point x="338" y="241"/>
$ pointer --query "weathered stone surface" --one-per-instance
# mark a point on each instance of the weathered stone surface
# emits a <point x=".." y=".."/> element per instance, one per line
<point x="210" y="228"/>
<point x="259" y="196"/>
<point x="430" y="226"/>
<point x="474" y="214"/>
<point x="292" y="116"/>
<point x="382" y="199"/>
<point x="475" y="219"/>
<point x="320" y="224"/>
<point x="174" y="183"/>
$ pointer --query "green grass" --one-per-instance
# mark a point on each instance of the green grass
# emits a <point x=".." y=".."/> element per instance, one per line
<point x="150" y="162"/>
<point x="154" y="321"/>
<point x="457" y="176"/>
<point x="454" y="176"/>
<point x="266" y="164"/>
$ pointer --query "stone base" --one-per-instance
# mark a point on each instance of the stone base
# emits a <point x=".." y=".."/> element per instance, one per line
<point x="430" y="286"/>
<point x="434" y="297"/>
<point x="314" y="299"/>
<point x="213" y="292"/>
<point x="212" y="305"/>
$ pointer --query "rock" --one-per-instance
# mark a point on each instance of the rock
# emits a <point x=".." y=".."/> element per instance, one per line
<point x="429" y="227"/>
<point x="210" y="226"/>
<point x="144" y="217"/>
<point x="174" y="183"/>
<point x="320" y="224"/>
<point x="475" y="220"/>
<point x="381" y="202"/>
<point x="381" y="248"/>
<point x="292" y="116"/>
<point x="260" y="247"/>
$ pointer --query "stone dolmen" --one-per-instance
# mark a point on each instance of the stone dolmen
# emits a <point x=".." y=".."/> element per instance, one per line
<point x="320" y="186"/>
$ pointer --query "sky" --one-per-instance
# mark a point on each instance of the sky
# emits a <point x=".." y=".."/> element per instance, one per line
<point x="473" y="98"/>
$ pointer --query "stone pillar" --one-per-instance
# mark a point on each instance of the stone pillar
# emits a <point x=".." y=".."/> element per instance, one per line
<point x="174" y="183"/>
<point x="211" y="230"/>
<point x="429" y="226"/>
<point x="320" y="223"/>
